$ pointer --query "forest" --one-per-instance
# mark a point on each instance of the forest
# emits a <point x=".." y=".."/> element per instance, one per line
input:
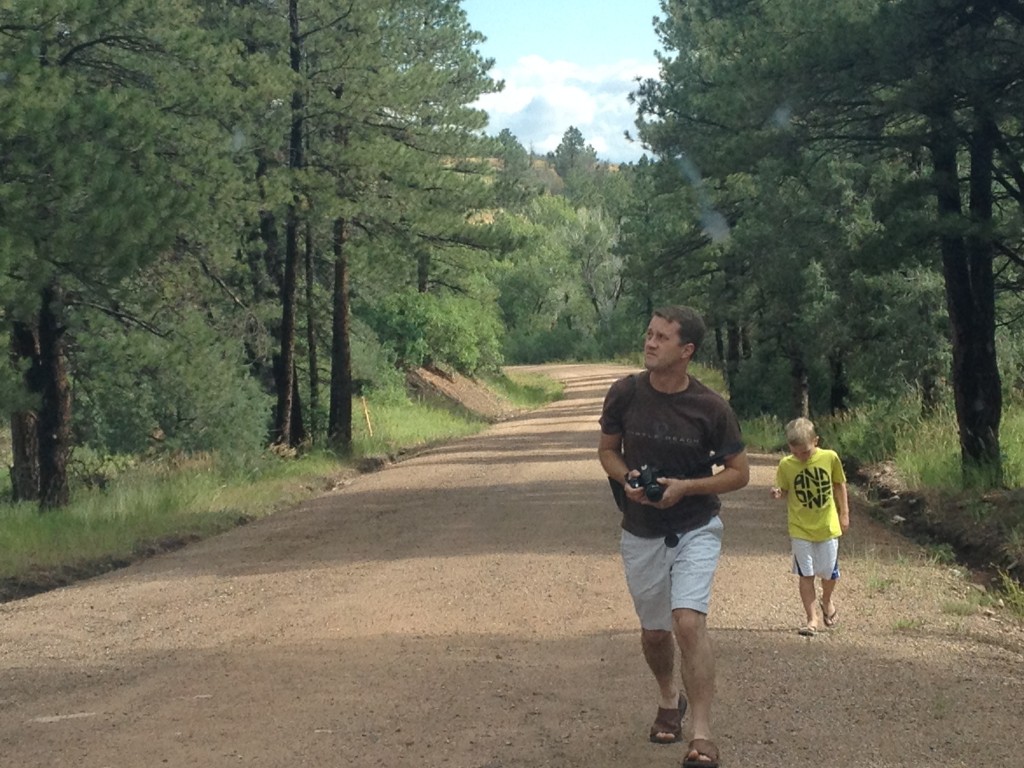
<point x="222" y="222"/>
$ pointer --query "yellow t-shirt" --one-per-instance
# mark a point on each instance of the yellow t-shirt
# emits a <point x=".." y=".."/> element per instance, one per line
<point x="811" y="505"/>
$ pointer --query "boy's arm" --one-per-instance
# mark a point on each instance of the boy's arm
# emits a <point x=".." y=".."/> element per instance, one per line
<point x="777" y="492"/>
<point x="842" y="505"/>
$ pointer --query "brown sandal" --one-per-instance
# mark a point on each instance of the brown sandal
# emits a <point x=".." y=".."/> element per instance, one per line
<point x="706" y="754"/>
<point x="669" y="721"/>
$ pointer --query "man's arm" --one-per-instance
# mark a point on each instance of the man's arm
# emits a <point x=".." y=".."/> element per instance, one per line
<point x="609" y="451"/>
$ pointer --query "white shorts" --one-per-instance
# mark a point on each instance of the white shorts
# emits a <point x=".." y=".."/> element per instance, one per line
<point x="663" y="578"/>
<point x="816" y="558"/>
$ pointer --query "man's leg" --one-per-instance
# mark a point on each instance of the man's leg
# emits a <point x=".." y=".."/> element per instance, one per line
<point x="693" y="573"/>
<point x="697" y="667"/>
<point x="647" y="575"/>
<point x="660" y="651"/>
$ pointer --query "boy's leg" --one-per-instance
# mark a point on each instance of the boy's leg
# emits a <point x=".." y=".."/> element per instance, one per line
<point x="827" y="588"/>
<point x="803" y="567"/>
<point x="829" y="557"/>
<point x="807" y="597"/>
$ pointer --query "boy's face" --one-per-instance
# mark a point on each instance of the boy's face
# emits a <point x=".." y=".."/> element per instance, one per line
<point x="803" y="451"/>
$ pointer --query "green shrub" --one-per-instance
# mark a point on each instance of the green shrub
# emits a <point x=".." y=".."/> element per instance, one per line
<point x="191" y="391"/>
<point x="423" y="329"/>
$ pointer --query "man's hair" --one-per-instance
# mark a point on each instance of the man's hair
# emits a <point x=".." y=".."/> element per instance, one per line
<point x="800" y="432"/>
<point x="691" y="325"/>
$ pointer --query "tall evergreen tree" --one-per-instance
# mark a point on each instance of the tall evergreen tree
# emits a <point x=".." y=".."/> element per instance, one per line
<point x="922" y="93"/>
<point x="108" y="119"/>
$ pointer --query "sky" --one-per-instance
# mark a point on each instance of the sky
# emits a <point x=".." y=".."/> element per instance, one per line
<point x="567" y="63"/>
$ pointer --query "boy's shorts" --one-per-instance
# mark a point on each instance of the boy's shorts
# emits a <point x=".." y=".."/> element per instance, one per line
<point x="663" y="578"/>
<point x="816" y="558"/>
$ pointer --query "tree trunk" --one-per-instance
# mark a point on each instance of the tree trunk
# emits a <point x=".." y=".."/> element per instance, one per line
<point x="970" y="300"/>
<point x="839" y="387"/>
<point x="311" y="342"/>
<point x="928" y="383"/>
<point x="286" y="369"/>
<point x="25" y="423"/>
<point x="339" y="428"/>
<point x="55" y="410"/>
<point x="732" y="352"/>
<point x="298" y="427"/>
<point x="423" y="271"/>
<point x="799" y="386"/>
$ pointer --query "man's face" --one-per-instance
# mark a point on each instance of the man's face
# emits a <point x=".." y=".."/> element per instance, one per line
<point x="662" y="348"/>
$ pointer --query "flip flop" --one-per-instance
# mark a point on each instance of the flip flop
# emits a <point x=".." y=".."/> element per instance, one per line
<point x="807" y="631"/>
<point x="830" y="621"/>
<point x="669" y="721"/>
<point x="706" y="749"/>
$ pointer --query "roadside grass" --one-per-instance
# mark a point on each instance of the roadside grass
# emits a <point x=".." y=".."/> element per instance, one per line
<point x="524" y="389"/>
<point x="960" y="607"/>
<point x="144" y="508"/>
<point x="907" y="625"/>
<point x="153" y="507"/>
<point x="390" y="428"/>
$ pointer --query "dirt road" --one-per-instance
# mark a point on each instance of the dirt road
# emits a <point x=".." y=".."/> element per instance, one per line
<point x="466" y="609"/>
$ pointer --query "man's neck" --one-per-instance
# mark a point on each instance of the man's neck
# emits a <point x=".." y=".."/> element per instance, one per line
<point x="670" y="382"/>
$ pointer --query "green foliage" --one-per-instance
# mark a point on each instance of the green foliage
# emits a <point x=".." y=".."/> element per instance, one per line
<point x="525" y="346"/>
<point x="1013" y="593"/>
<point x="840" y="250"/>
<point x="191" y="391"/>
<point x="374" y="367"/>
<point x="763" y="434"/>
<point x="573" y="155"/>
<point x="425" y="329"/>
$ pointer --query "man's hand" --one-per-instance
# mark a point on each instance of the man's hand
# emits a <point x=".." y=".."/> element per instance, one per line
<point x="776" y="493"/>
<point x="675" y="489"/>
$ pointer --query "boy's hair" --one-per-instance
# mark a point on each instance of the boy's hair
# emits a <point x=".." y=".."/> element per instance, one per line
<point x="800" y="432"/>
<point x="691" y="324"/>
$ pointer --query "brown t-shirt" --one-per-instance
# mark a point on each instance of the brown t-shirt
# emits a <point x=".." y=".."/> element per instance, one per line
<point x="673" y="432"/>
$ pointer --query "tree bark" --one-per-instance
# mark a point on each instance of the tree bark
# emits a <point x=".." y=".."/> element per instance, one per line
<point x="799" y="386"/>
<point x="339" y="428"/>
<point x="25" y="423"/>
<point x="25" y="456"/>
<point x="55" y="409"/>
<point x="286" y="369"/>
<point x="423" y="271"/>
<point x="311" y="341"/>
<point x="970" y="298"/>
<point x="839" y="388"/>
<point x="732" y="352"/>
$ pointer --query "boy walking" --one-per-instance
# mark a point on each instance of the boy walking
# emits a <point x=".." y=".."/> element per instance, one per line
<point x="818" y="512"/>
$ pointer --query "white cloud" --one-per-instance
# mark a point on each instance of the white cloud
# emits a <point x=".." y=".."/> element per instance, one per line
<point x="543" y="98"/>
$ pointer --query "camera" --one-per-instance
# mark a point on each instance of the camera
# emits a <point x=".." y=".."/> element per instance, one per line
<point x="648" y="480"/>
